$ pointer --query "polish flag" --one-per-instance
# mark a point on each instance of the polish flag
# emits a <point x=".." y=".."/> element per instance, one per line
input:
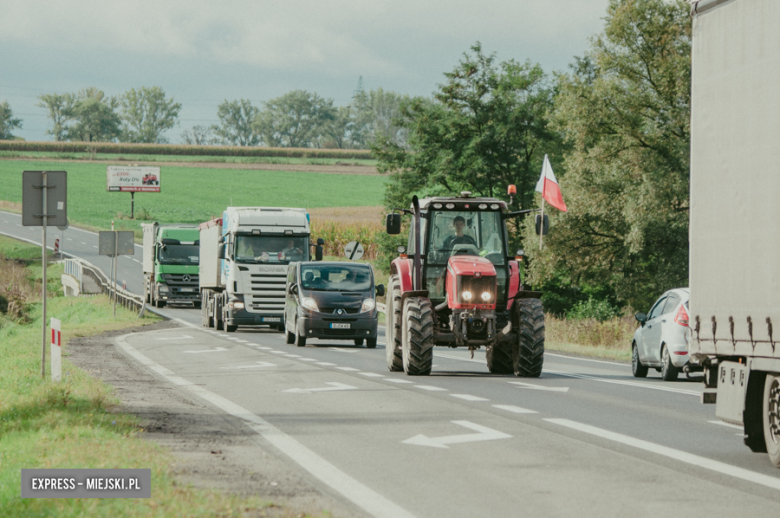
<point x="548" y="186"/>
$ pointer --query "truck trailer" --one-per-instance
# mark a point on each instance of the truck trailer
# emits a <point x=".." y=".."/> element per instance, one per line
<point x="243" y="259"/>
<point x="171" y="264"/>
<point x="734" y="212"/>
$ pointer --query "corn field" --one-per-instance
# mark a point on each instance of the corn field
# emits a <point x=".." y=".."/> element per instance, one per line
<point x="340" y="225"/>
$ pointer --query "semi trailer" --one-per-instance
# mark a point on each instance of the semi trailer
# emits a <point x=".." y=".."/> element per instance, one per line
<point x="171" y="264"/>
<point x="734" y="214"/>
<point x="243" y="257"/>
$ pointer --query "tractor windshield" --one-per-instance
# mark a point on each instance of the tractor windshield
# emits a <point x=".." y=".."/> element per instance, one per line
<point x="469" y="233"/>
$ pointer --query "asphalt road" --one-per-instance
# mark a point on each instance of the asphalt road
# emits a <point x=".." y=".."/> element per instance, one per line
<point x="585" y="439"/>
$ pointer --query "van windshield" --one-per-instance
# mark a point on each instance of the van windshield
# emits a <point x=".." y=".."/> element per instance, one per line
<point x="350" y="277"/>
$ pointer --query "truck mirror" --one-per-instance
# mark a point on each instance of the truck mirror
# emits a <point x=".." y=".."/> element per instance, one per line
<point x="380" y="290"/>
<point x="293" y="289"/>
<point x="544" y="230"/>
<point x="320" y="241"/>
<point x="393" y="224"/>
<point x="318" y="253"/>
<point x="641" y="318"/>
<point x="221" y="252"/>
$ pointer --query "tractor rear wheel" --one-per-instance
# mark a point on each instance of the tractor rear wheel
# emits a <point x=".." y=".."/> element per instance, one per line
<point x="393" y="332"/>
<point x="529" y="323"/>
<point x="417" y="336"/>
<point x="499" y="358"/>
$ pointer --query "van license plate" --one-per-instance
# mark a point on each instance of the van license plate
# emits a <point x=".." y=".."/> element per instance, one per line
<point x="339" y="326"/>
<point x="272" y="319"/>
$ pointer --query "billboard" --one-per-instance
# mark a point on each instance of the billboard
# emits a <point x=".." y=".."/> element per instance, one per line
<point x="132" y="179"/>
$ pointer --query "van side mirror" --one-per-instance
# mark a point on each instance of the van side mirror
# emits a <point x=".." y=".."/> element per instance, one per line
<point x="221" y="252"/>
<point x="393" y="224"/>
<point x="543" y="229"/>
<point x="318" y="253"/>
<point x="641" y="318"/>
<point x="380" y="290"/>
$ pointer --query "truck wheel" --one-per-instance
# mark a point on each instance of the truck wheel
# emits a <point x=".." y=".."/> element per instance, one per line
<point x="499" y="358"/>
<point x="529" y="322"/>
<point x="668" y="371"/>
<point x="417" y="336"/>
<point x="230" y="329"/>
<point x="219" y="324"/>
<point x="772" y="417"/>
<point x="393" y="349"/>
<point x="160" y="303"/>
<point x="639" y="370"/>
<point x="204" y="312"/>
<point x="371" y="343"/>
<point x="289" y="337"/>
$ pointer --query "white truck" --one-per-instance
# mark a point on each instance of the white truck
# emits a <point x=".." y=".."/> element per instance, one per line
<point x="243" y="264"/>
<point x="735" y="186"/>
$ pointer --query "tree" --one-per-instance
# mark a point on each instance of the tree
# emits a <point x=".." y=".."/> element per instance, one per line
<point x="296" y="119"/>
<point x="486" y="128"/>
<point x="60" y="107"/>
<point x="336" y="131"/>
<point x="146" y="114"/>
<point x="8" y="122"/>
<point x="374" y="114"/>
<point x="95" y="117"/>
<point x="625" y="110"/>
<point x="235" y="123"/>
<point x="199" y="135"/>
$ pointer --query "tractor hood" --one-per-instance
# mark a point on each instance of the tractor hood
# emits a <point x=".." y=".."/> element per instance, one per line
<point x="471" y="265"/>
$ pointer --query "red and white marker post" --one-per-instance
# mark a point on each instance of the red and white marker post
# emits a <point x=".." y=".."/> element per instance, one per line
<point x="56" y="350"/>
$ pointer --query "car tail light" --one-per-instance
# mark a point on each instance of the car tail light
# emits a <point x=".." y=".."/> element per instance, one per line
<point x="681" y="317"/>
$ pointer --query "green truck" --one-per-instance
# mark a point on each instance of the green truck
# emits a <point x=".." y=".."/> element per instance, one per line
<point x="171" y="255"/>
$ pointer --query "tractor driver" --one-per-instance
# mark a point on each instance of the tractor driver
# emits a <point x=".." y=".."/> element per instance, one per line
<point x="459" y="238"/>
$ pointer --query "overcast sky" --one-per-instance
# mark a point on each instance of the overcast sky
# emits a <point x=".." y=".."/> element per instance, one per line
<point x="204" y="52"/>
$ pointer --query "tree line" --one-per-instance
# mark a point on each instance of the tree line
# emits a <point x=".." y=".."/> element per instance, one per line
<point x="296" y="119"/>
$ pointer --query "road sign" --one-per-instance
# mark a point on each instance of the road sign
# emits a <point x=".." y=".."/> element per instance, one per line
<point x="56" y="198"/>
<point x="132" y="179"/>
<point x="353" y="250"/>
<point x="119" y="243"/>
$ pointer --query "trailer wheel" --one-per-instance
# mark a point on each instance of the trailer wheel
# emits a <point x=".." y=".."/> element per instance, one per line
<point x="668" y="371"/>
<point x="393" y="332"/>
<point x="529" y="322"/>
<point x="417" y="336"/>
<point x="637" y="369"/>
<point x="772" y="417"/>
<point x="499" y="358"/>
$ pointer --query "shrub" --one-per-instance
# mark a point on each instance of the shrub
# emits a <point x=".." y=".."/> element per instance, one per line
<point x="600" y="310"/>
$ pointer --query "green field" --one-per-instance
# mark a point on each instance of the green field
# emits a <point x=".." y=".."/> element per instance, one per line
<point x="193" y="194"/>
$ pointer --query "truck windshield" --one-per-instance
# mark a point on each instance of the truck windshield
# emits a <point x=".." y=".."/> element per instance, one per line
<point x="178" y="254"/>
<point x="271" y="249"/>
<point x="471" y="233"/>
<point x="328" y="277"/>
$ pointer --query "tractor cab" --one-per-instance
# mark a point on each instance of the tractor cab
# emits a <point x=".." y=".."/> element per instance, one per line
<point x="458" y="272"/>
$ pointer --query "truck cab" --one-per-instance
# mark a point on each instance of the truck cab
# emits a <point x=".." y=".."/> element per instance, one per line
<point x="171" y="264"/>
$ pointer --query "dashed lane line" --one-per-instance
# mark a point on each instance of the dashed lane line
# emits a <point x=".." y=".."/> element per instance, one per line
<point x="396" y="380"/>
<point x="431" y="388"/>
<point x="371" y="374"/>
<point x="348" y="369"/>
<point x="515" y="409"/>
<point x="326" y="364"/>
<point x="469" y="397"/>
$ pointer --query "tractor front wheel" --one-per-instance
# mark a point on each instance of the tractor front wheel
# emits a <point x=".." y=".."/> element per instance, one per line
<point x="529" y="324"/>
<point x="417" y="336"/>
<point x="393" y="330"/>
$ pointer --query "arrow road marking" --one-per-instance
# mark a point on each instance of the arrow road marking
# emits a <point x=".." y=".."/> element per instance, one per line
<point x="259" y="364"/>
<point x="520" y="384"/>
<point x="217" y="350"/>
<point x="483" y="434"/>
<point x="334" y="385"/>
<point x="182" y="337"/>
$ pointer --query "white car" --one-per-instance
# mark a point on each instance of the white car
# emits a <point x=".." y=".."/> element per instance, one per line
<point x="661" y="341"/>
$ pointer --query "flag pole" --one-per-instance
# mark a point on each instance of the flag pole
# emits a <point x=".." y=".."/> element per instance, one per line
<point x="541" y="226"/>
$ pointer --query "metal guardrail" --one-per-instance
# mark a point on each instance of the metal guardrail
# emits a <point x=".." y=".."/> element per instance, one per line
<point x="80" y="269"/>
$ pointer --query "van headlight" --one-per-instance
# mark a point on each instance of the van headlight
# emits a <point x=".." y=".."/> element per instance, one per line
<point x="310" y="304"/>
<point x="368" y="305"/>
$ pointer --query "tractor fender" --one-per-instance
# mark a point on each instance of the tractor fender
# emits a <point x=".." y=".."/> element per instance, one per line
<point x="402" y="267"/>
<point x="514" y="282"/>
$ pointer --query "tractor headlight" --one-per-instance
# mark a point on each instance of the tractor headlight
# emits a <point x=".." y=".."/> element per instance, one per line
<point x="368" y="305"/>
<point x="467" y="295"/>
<point x="310" y="304"/>
<point x="486" y="296"/>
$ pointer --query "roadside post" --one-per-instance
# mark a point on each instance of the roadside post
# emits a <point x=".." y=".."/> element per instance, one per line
<point x="114" y="244"/>
<point x="56" y="350"/>
<point x="132" y="180"/>
<point x="44" y="203"/>
<point x="62" y="229"/>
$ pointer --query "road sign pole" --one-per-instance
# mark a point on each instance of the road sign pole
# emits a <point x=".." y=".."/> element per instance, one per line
<point x="44" y="188"/>
<point x="132" y="204"/>
<point x="116" y="253"/>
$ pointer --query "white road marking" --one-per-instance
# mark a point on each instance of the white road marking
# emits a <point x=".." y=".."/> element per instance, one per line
<point x="361" y="495"/>
<point x="69" y="239"/>
<point x="182" y="337"/>
<point x="342" y="350"/>
<point x="483" y="434"/>
<point x="347" y="369"/>
<point x="521" y="384"/>
<point x="660" y="387"/>
<point x="243" y="341"/>
<point x="741" y="428"/>
<point x="216" y="350"/>
<point x="83" y="243"/>
<point x="255" y="366"/>
<point x="93" y="246"/>
<point x="371" y="374"/>
<point x="293" y="355"/>
<point x="136" y="260"/>
<point x="515" y="409"/>
<point x="326" y="364"/>
<point x="308" y="359"/>
<point x="334" y="385"/>
<point x="431" y="388"/>
<point x="677" y="455"/>
<point x="277" y="352"/>
<point x="396" y="380"/>
<point x="469" y="397"/>
<point x="265" y="348"/>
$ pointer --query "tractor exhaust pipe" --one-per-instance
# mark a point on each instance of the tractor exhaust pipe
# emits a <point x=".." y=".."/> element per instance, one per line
<point x="417" y="261"/>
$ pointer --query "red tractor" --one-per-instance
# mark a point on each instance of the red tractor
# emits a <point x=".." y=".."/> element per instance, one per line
<point x="150" y="179"/>
<point x="457" y="286"/>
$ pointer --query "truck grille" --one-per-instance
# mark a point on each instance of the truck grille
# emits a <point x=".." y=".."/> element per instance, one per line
<point x="267" y="293"/>
<point x="181" y="279"/>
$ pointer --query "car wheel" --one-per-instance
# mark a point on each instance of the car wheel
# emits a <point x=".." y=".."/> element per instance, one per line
<point x="668" y="371"/>
<point x="639" y="370"/>
<point x="301" y="341"/>
<point x="371" y="343"/>
<point x="358" y="341"/>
